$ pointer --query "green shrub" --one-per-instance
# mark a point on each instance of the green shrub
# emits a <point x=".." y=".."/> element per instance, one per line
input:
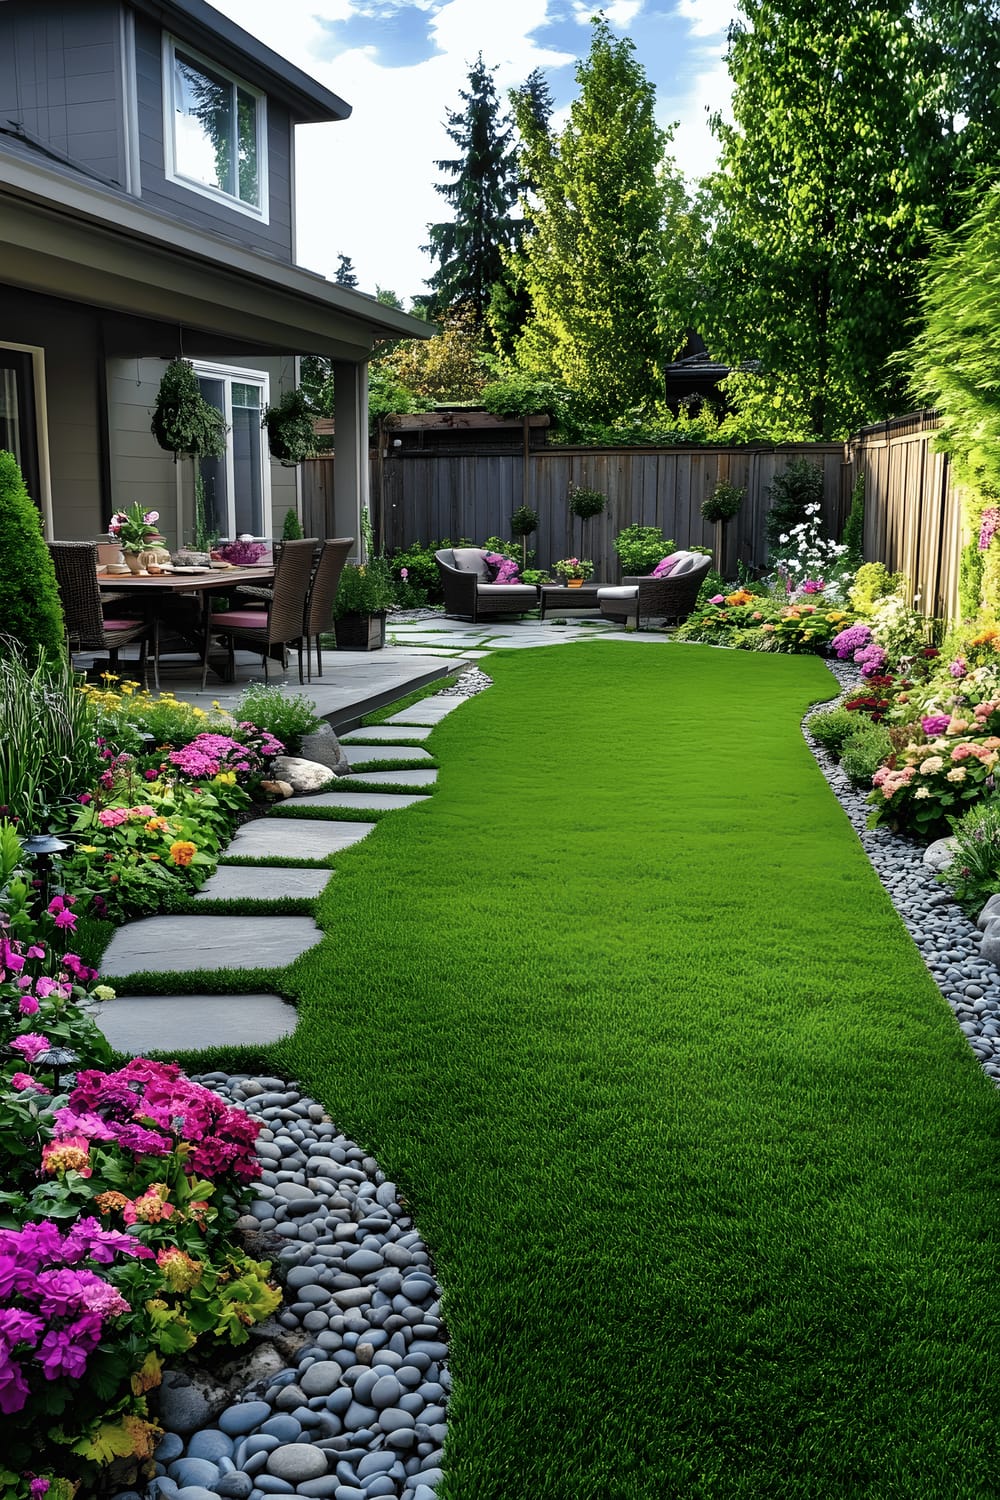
<point x="48" y="748"/>
<point x="864" y="749"/>
<point x="640" y="548"/>
<point x="30" y="611"/>
<point x="423" y="581"/>
<point x="523" y="396"/>
<point x="873" y="582"/>
<point x="791" y="493"/>
<point x="970" y="579"/>
<point x="831" y="727"/>
<point x="288" y="719"/>
<point x="291" y="527"/>
<point x="974" y="873"/>
<point x="367" y="589"/>
<point x="723" y="503"/>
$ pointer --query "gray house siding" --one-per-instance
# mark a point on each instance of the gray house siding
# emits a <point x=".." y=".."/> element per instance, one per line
<point x="172" y="198"/>
<point x="61" y="79"/>
<point x="69" y="336"/>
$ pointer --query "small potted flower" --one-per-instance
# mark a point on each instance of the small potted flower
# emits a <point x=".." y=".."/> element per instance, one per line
<point x="136" y="532"/>
<point x="573" y="570"/>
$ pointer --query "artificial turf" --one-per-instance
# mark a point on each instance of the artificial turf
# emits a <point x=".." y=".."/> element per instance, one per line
<point x="706" y="1167"/>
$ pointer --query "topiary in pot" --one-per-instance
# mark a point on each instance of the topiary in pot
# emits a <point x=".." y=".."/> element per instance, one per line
<point x="723" y="503"/>
<point x="30" y="611"/>
<point x="585" y="503"/>
<point x="290" y="434"/>
<point x="183" y="421"/>
<point x="291" y="528"/>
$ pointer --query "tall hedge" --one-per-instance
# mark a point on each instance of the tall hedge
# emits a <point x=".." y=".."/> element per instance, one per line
<point x="29" y="599"/>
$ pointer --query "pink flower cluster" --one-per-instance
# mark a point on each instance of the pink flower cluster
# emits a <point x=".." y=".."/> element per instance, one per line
<point x="812" y="585"/>
<point x="871" y="660"/>
<point x="891" y="781"/>
<point x="52" y="1311"/>
<point x="208" y="754"/>
<point x="854" y="638"/>
<point x="933" y="724"/>
<point x="147" y="1108"/>
<point x="506" y="569"/>
<point x="958" y="667"/>
<point x="988" y="526"/>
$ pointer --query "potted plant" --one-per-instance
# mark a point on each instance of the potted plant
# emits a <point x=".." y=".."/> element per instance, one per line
<point x="522" y="523"/>
<point x="136" y="533"/>
<point x="573" y="570"/>
<point x="640" y="548"/>
<point x="366" y="591"/>
<point x="289" y="425"/>
<point x="183" y="421"/>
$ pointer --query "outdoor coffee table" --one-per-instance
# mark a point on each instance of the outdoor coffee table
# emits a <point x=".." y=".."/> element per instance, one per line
<point x="560" y="596"/>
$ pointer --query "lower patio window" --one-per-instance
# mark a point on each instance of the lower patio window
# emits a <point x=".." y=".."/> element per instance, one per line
<point x="237" y="485"/>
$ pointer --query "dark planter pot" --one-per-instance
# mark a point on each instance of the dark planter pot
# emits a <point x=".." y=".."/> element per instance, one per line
<point x="361" y="632"/>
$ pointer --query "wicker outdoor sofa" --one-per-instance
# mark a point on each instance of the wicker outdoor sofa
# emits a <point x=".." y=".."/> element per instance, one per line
<point x="669" y="600"/>
<point x="465" y="576"/>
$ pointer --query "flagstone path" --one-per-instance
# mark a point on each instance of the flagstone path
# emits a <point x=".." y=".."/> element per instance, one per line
<point x="202" y="942"/>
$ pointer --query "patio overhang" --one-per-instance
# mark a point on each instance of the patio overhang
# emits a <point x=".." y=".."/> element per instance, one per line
<point x="69" y="239"/>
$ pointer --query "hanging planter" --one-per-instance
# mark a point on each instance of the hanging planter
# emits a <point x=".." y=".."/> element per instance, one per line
<point x="290" y="434"/>
<point x="183" y="421"/>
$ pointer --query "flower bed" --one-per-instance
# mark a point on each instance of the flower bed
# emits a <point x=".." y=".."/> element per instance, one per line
<point x="119" y="1191"/>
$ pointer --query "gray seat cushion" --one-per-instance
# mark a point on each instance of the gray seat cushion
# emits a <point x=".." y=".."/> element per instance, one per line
<point x="525" y="591"/>
<point x="473" y="560"/>
<point x="623" y="592"/>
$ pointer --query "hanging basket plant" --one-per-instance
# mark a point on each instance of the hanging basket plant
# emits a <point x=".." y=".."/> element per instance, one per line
<point x="290" y="433"/>
<point x="183" y="421"/>
<point x="585" y="503"/>
<point x="723" y="503"/>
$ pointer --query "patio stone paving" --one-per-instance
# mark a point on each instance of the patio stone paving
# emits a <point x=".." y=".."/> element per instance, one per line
<point x="173" y="945"/>
<point x="418" y="776"/>
<point x="135" y="1024"/>
<point x="381" y="753"/>
<point x="273" y="838"/>
<point x="388" y="732"/>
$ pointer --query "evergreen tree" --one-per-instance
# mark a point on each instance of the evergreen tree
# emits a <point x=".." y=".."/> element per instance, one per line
<point x="345" y="274"/>
<point x="843" y="161"/>
<point x="30" y="611"/>
<point x="607" y="283"/>
<point x="484" y="188"/>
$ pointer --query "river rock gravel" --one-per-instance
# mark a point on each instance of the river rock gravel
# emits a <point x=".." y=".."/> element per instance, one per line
<point x="358" y="1408"/>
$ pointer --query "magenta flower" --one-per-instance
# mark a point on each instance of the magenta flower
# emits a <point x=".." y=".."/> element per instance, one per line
<point x="35" y="952"/>
<point x="112" y="817"/>
<point x="27" y="1005"/>
<point x="958" y="668"/>
<point x="813" y="585"/>
<point x="21" y="1081"/>
<point x="717" y="599"/>
<point x="65" y="920"/>
<point x="933" y="724"/>
<point x="31" y="1045"/>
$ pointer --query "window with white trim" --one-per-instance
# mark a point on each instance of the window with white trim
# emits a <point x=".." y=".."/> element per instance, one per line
<point x="237" y="486"/>
<point x="215" y="130"/>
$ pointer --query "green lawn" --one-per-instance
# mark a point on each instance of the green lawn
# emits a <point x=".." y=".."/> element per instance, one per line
<point x="708" y="1172"/>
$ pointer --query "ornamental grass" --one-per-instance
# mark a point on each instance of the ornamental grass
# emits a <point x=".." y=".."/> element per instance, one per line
<point x="707" y="1168"/>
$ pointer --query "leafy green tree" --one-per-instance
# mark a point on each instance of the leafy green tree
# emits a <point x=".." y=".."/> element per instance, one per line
<point x="605" y="284"/>
<point x="30" y="611"/>
<point x="468" y="247"/>
<point x="842" y="162"/>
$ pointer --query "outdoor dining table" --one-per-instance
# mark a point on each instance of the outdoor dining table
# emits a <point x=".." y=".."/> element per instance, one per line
<point x="153" y="589"/>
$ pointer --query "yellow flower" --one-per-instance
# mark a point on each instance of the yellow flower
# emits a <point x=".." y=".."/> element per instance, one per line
<point x="88" y="849"/>
<point x="182" y="852"/>
<point x="199" y="713"/>
<point x="225" y="778"/>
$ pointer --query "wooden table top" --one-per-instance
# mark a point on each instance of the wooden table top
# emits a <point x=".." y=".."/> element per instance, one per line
<point x="186" y="583"/>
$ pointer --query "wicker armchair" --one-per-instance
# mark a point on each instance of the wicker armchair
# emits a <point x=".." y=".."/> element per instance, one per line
<point x="277" y="626"/>
<point x="322" y="597"/>
<point x="669" y="599"/>
<point x="467" y="590"/>
<point x="87" y="626"/>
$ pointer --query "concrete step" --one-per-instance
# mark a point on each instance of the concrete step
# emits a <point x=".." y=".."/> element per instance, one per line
<point x="261" y="883"/>
<point x="135" y="1024"/>
<point x="264" y="838"/>
<point x="385" y="754"/>
<point x="361" y="801"/>
<point x="386" y="733"/>
<point x="174" y="945"/>
<point x="417" y="776"/>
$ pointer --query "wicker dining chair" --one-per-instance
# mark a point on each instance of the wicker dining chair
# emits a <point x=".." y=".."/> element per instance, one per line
<point x="280" y="624"/>
<point x="322" y="597"/>
<point x="88" y="628"/>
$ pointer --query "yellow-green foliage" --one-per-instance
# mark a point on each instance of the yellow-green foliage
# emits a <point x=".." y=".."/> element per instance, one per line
<point x="30" y="611"/>
<point x="872" y="582"/>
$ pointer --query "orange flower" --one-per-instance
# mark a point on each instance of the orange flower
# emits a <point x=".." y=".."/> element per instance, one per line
<point x="182" y="852"/>
<point x="106" y="1203"/>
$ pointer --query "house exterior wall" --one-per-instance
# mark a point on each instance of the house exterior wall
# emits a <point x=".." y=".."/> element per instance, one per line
<point x="69" y="336"/>
<point x="141" y="470"/>
<point x="158" y="192"/>
<point x="61" y="78"/>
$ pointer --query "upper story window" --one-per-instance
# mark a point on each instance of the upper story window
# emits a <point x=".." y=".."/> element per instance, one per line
<point x="216" y="141"/>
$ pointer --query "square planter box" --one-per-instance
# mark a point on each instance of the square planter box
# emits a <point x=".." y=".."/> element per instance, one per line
<point x="360" y="632"/>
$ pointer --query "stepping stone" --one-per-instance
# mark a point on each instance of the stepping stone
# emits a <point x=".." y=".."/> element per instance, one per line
<point x="142" y="1023"/>
<point x="363" y="801"/>
<point x="381" y="753"/>
<point x="243" y="882"/>
<point x="427" y="711"/>
<point x="418" y="776"/>
<point x="384" y="732"/>
<point x="270" y="838"/>
<point x="173" y="945"/>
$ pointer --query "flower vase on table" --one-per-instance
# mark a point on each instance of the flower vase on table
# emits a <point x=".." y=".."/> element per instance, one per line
<point x="573" y="571"/>
<point x="135" y="531"/>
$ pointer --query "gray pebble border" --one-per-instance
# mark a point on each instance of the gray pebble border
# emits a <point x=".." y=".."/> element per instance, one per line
<point x="949" y="943"/>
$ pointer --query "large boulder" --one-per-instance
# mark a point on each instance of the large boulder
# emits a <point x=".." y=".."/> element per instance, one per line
<point x="323" y="746"/>
<point x="303" y="776"/>
<point x="989" y="948"/>
<point x="940" y="854"/>
<point x="990" y="912"/>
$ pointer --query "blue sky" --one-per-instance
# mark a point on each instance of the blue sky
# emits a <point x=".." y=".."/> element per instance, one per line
<point x="365" y="186"/>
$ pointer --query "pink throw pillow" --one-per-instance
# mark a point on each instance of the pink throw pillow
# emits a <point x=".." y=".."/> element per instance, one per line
<point x="507" y="572"/>
<point x="665" y="564"/>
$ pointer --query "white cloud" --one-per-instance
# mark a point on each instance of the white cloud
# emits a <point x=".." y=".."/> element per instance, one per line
<point x="708" y="17"/>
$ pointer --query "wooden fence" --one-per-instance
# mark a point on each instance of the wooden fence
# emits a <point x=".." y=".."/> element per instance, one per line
<point x="913" y="517"/>
<point x="426" y="495"/>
